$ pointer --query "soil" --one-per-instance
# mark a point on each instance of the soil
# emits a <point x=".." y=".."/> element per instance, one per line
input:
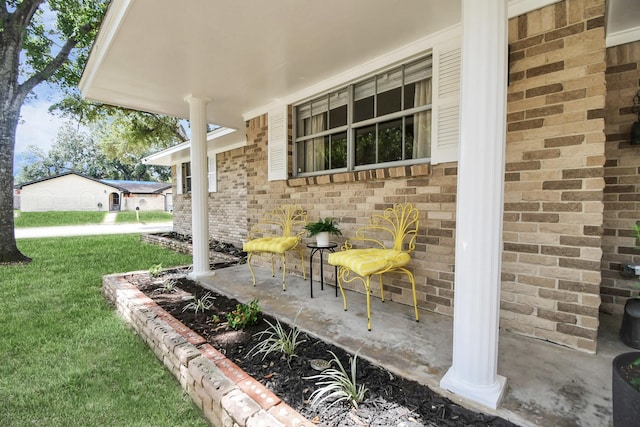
<point x="390" y="400"/>
<point x="631" y="374"/>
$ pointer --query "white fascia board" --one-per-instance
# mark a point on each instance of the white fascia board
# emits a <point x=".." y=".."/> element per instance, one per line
<point x="180" y="152"/>
<point x="115" y="16"/>
<point x="392" y="58"/>
<point x="622" y="37"/>
<point x="520" y="7"/>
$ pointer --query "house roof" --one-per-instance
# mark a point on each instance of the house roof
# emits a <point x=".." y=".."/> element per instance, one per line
<point x="139" y="187"/>
<point x="247" y="56"/>
<point x="219" y="140"/>
<point x="35" y="181"/>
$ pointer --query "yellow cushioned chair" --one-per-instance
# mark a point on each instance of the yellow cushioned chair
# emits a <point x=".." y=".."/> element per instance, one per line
<point x="400" y="224"/>
<point x="275" y="235"/>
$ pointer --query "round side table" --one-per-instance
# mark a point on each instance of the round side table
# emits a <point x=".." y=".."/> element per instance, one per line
<point x="331" y="247"/>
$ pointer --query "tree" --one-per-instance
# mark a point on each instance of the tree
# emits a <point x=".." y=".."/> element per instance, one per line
<point x="75" y="149"/>
<point x="33" y="50"/>
<point x="125" y="136"/>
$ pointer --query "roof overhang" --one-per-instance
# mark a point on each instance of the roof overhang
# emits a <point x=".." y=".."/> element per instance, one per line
<point x="246" y="56"/>
<point x="218" y="141"/>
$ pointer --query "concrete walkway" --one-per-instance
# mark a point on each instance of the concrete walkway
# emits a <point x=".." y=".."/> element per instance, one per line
<point x="547" y="385"/>
<point x="88" y="230"/>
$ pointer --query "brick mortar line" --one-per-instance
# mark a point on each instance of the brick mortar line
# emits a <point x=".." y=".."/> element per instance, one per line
<point x="226" y="394"/>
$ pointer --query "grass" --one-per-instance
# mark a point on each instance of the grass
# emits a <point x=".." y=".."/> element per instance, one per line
<point x="66" y="359"/>
<point x="52" y="219"/>
<point x="145" y="216"/>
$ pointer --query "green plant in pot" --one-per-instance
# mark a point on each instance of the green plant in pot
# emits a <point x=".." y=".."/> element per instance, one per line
<point x="321" y="229"/>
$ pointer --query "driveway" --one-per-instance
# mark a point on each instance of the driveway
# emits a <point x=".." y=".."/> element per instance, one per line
<point x="89" y="230"/>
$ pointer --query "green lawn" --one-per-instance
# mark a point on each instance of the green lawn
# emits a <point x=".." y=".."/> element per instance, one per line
<point x="51" y="219"/>
<point x="66" y="359"/>
<point x="145" y="216"/>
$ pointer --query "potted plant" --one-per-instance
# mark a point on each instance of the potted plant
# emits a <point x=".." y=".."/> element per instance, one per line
<point x="626" y="389"/>
<point x="322" y="229"/>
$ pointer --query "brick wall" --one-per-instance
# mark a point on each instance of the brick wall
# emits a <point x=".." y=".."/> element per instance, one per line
<point x="352" y="197"/>
<point x="227" y="206"/>
<point x="554" y="184"/>
<point x="226" y="395"/>
<point x="622" y="192"/>
<point x="553" y="190"/>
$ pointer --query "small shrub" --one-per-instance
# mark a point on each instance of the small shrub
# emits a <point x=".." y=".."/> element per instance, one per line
<point x="155" y="270"/>
<point x="278" y="340"/>
<point x="167" y="286"/>
<point x="200" y="304"/>
<point x="244" y="315"/>
<point x="337" y="384"/>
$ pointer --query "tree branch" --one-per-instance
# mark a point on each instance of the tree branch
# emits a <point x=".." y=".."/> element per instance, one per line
<point x="56" y="62"/>
<point x="24" y="12"/>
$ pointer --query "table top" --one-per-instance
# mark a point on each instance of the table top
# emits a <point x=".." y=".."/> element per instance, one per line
<point x="314" y="245"/>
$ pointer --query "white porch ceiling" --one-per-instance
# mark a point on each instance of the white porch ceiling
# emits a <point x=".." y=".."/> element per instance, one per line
<point x="244" y="54"/>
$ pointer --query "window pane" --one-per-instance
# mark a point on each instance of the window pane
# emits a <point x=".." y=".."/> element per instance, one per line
<point x="365" y="145"/>
<point x="301" y="154"/>
<point x="417" y="80"/>
<point x="338" y="117"/>
<point x="303" y="114"/>
<point x="319" y="110"/>
<point x="338" y="109"/>
<point x="389" y="101"/>
<point x="389" y="80"/>
<point x="364" y="98"/>
<point x="418" y="135"/>
<point x="390" y="141"/>
<point x="339" y="151"/>
<point x="320" y="153"/>
<point x="417" y="94"/>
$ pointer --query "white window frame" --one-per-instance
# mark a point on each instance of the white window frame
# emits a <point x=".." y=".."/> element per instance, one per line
<point x="445" y="107"/>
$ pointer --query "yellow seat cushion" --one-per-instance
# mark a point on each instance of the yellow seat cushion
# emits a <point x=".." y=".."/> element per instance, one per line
<point x="369" y="261"/>
<point x="276" y="245"/>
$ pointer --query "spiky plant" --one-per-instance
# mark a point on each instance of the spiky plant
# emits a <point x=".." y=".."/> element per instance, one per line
<point x="338" y="385"/>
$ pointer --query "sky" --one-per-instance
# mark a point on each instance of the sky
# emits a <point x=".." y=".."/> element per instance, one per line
<point x="37" y="126"/>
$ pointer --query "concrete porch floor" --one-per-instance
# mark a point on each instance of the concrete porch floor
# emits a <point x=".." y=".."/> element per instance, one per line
<point x="547" y="385"/>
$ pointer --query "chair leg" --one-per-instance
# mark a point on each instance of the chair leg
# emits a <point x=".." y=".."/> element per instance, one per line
<point x="284" y="271"/>
<point x="367" y="288"/>
<point x="413" y="288"/>
<point x="251" y="269"/>
<point x="341" y="272"/>
<point x="273" y="274"/>
<point x="381" y="288"/>
<point x="304" y="273"/>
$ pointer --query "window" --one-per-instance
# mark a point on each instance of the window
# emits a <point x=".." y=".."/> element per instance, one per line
<point x="384" y="119"/>
<point x="186" y="178"/>
<point x="183" y="176"/>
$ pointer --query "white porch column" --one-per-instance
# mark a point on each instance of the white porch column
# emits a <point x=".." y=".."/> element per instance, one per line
<point x="480" y="204"/>
<point x="199" y="188"/>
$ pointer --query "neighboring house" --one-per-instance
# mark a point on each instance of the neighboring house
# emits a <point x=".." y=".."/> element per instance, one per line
<point x="143" y="195"/>
<point x="71" y="191"/>
<point x="346" y="116"/>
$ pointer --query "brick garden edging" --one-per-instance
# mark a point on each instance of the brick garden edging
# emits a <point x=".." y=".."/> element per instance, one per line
<point x="226" y="394"/>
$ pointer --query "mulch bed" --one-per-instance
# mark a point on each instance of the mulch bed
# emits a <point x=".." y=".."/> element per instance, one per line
<point x="390" y="401"/>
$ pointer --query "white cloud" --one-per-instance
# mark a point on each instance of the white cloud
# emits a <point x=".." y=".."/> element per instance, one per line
<point x="37" y="127"/>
